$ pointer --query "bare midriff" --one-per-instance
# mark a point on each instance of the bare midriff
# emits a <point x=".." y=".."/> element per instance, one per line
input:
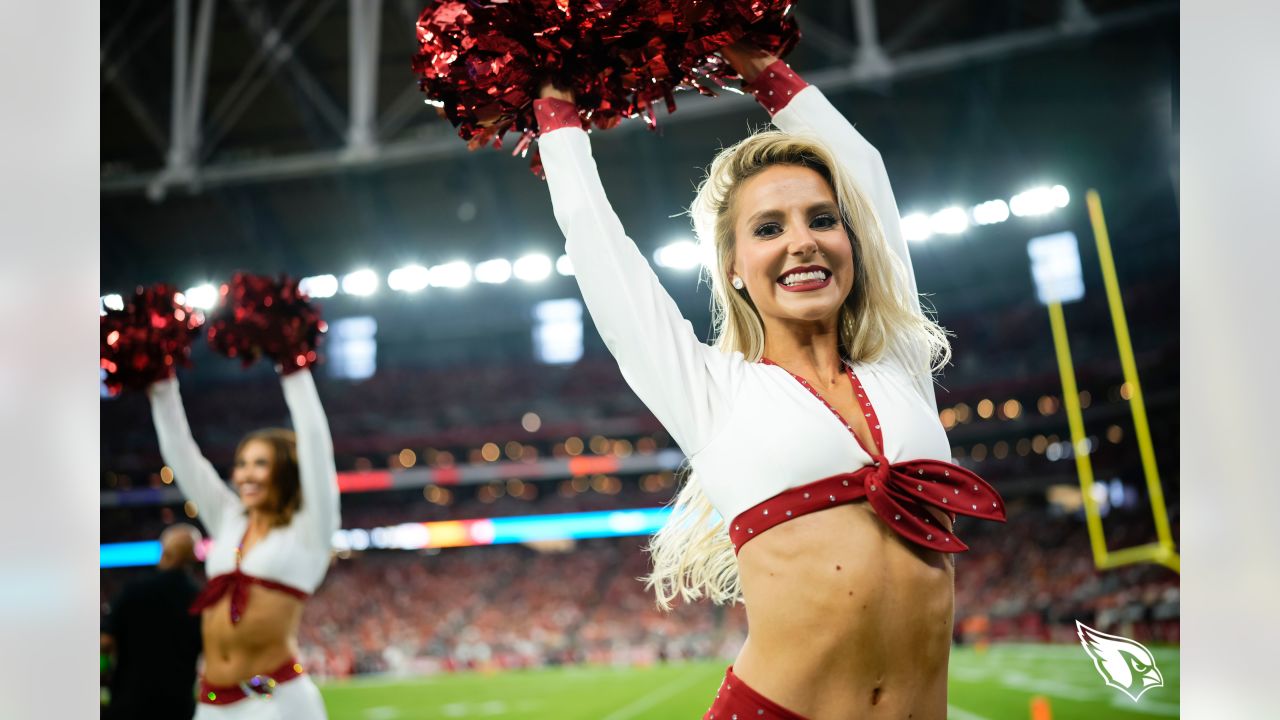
<point x="265" y="638"/>
<point x="846" y="619"/>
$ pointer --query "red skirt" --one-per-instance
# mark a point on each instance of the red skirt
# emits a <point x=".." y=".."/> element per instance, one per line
<point x="737" y="701"/>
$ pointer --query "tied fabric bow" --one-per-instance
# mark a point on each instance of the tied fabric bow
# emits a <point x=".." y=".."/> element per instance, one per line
<point x="898" y="493"/>
<point x="236" y="583"/>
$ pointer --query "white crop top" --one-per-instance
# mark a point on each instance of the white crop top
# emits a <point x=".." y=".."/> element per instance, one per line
<point x="296" y="555"/>
<point x="750" y="430"/>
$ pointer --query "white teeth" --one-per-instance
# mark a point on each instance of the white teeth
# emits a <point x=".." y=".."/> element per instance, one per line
<point x="797" y="278"/>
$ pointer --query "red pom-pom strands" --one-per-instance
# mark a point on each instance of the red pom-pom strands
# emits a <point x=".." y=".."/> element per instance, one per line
<point x="714" y="24"/>
<point x="148" y="339"/>
<point x="483" y="62"/>
<point x="260" y="316"/>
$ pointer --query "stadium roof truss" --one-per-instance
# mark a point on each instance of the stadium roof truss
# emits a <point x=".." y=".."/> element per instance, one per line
<point x="287" y="44"/>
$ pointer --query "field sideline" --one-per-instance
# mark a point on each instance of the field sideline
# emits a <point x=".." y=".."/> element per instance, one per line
<point x="997" y="685"/>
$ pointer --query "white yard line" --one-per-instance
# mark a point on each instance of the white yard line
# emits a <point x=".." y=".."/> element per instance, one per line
<point x="1052" y="688"/>
<point x="955" y="713"/>
<point x="647" y="701"/>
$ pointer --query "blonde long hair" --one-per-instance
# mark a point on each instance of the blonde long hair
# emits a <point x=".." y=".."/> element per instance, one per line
<point x="692" y="555"/>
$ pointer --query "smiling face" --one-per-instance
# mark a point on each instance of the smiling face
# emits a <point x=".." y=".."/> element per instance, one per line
<point x="791" y="248"/>
<point x="254" y="475"/>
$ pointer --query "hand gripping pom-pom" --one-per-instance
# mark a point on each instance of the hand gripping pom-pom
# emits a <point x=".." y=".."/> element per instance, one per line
<point x="714" y="24"/>
<point x="147" y="340"/>
<point x="484" y="62"/>
<point x="259" y="316"/>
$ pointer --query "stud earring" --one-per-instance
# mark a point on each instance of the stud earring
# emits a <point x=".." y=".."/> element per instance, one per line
<point x="737" y="283"/>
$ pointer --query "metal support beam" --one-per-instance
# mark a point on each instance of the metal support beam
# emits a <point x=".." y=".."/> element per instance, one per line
<point x="1076" y="18"/>
<point x="199" y="75"/>
<point x="117" y="31"/>
<point x="872" y="62"/>
<point x="116" y="72"/>
<point x="832" y="44"/>
<point x="276" y="50"/>
<point x="439" y="140"/>
<point x="179" y="156"/>
<point x="920" y="21"/>
<point x="190" y="73"/>
<point x="118" y="77"/>
<point x="402" y="111"/>
<point x="365" y="26"/>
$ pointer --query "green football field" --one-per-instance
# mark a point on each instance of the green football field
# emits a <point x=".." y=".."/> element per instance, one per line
<point x="997" y="685"/>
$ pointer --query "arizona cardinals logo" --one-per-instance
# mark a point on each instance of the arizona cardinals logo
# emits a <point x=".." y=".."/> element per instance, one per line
<point x="1123" y="663"/>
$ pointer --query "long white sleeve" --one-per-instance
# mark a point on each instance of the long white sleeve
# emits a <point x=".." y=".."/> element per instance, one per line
<point x="320" y="511"/>
<point x="809" y="112"/>
<point x="687" y="384"/>
<point x="194" y="475"/>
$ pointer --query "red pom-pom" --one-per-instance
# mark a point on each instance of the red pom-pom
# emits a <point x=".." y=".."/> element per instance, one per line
<point x="714" y="24"/>
<point x="260" y="316"/>
<point x="148" y="339"/>
<point x="484" y="62"/>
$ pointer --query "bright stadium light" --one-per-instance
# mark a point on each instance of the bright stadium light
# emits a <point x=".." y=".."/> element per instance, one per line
<point x="361" y="282"/>
<point x="916" y="227"/>
<point x="557" y="334"/>
<point x="202" y="297"/>
<point x="493" y="272"/>
<point x="1060" y="196"/>
<point x="532" y="268"/>
<point x="991" y="212"/>
<point x="949" y="221"/>
<point x="679" y="255"/>
<point x="451" y="275"/>
<point x="410" y="278"/>
<point x="1056" y="268"/>
<point x="564" y="265"/>
<point x="319" y="286"/>
<point x="1039" y="201"/>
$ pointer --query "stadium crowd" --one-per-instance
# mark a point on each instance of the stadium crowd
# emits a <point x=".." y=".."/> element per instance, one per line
<point x="511" y="607"/>
<point x="563" y="603"/>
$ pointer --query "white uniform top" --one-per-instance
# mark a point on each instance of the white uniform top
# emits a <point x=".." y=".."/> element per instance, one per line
<point x="296" y="555"/>
<point x="749" y="429"/>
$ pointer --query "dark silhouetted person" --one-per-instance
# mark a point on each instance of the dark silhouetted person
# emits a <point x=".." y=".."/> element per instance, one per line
<point x="154" y="637"/>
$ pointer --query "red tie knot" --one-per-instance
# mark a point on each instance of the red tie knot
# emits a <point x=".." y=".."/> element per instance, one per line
<point x="881" y="468"/>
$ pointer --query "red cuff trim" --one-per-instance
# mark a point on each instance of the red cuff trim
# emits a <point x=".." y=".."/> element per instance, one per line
<point x="554" y="113"/>
<point x="775" y="86"/>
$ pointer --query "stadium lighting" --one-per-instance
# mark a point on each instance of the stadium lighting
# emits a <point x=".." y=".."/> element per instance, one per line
<point x="564" y="265"/>
<point x="493" y="272"/>
<point x="360" y="283"/>
<point x="1056" y="268"/>
<point x="949" y="221"/>
<point x="679" y="255"/>
<point x="319" y="286"/>
<point x="1039" y="201"/>
<point x="451" y="275"/>
<point x="410" y="278"/>
<point x="532" y="268"/>
<point x="991" y="212"/>
<point x="916" y="227"/>
<point x="202" y="297"/>
<point x="112" y="302"/>
<point x="1061" y="198"/>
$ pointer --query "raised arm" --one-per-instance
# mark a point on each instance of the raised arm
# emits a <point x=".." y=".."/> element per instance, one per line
<point x="194" y="475"/>
<point x="316" y="470"/>
<point x="800" y="108"/>
<point x="685" y="383"/>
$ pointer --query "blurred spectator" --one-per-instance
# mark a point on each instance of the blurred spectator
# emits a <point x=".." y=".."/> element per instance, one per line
<point x="152" y="637"/>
